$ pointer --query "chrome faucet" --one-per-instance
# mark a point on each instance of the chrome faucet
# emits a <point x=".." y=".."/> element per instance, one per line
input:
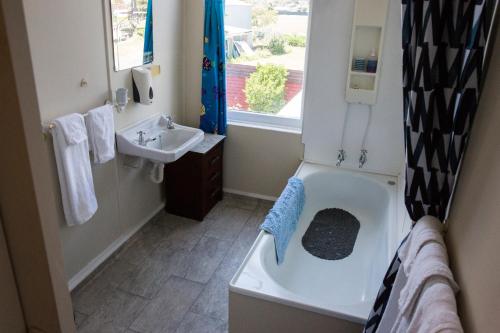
<point x="141" y="140"/>
<point x="362" y="158"/>
<point x="340" y="157"/>
<point x="170" y="122"/>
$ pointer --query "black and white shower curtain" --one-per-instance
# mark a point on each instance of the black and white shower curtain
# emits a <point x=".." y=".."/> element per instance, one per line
<point x="443" y="52"/>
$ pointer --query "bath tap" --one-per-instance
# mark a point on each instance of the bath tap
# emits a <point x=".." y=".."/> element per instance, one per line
<point x="340" y="157"/>
<point x="362" y="158"/>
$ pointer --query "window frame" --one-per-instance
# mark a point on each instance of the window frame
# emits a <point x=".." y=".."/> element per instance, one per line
<point x="253" y="118"/>
<point x="269" y="120"/>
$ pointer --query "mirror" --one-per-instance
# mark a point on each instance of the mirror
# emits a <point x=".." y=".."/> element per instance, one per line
<point x="132" y="22"/>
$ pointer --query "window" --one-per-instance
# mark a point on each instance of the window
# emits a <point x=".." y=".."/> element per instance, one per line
<point x="266" y="49"/>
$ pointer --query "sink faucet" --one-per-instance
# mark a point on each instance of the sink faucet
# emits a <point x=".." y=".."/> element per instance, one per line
<point x="362" y="158"/>
<point x="170" y="122"/>
<point x="340" y="157"/>
<point x="141" y="140"/>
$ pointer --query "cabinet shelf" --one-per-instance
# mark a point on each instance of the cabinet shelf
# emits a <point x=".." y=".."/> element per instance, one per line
<point x="367" y="36"/>
<point x="361" y="73"/>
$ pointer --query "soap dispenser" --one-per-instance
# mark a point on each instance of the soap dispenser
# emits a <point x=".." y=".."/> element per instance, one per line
<point x="142" y="85"/>
<point x="371" y="63"/>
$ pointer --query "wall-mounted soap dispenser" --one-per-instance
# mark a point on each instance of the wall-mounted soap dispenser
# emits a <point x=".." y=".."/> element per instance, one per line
<point x="142" y="85"/>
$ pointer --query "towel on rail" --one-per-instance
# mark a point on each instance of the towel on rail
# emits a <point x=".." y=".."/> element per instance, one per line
<point x="73" y="167"/>
<point x="101" y="131"/>
<point x="282" y="220"/>
<point x="428" y="229"/>
<point x="436" y="310"/>
<point x="424" y="286"/>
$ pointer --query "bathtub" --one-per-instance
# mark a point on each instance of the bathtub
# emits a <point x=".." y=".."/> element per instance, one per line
<point x="308" y="294"/>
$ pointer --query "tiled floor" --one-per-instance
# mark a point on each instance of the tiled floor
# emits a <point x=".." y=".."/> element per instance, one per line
<point x="173" y="275"/>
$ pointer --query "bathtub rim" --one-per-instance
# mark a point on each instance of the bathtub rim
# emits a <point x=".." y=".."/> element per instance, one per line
<point x="289" y="298"/>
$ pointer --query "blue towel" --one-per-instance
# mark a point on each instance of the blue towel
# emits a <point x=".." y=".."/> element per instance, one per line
<point x="282" y="219"/>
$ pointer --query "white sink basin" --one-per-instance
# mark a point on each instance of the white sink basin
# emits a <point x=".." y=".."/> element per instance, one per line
<point x="163" y="145"/>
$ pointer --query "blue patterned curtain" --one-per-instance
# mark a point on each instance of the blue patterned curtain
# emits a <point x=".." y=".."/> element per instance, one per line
<point x="443" y="69"/>
<point x="213" y="95"/>
<point x="148" y="35"/>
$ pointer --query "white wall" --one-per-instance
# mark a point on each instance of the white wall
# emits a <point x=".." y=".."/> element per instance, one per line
<point x="324" y="97"/>
<point x="256" y="161"/>
<point x="68" y="42"/>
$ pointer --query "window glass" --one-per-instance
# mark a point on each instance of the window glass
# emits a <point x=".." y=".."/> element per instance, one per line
<point x="266" y="47"/>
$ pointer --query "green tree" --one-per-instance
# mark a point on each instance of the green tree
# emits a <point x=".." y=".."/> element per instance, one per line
<point x="263" y="16"/>
<point x="265" y="88"/>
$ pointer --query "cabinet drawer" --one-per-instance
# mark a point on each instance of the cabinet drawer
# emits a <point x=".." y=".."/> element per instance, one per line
<point x="213" y="160"/>
<point x="213" y="177"/>
<point x="213" y="195"/>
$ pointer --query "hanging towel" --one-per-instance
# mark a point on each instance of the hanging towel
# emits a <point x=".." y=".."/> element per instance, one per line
<point x="436" y="310"/>
<point x="282" y="220"/>
<point x="73" y="166"/>
<point x="428" y="229"/>
<point x="431" y="264"/>
<point x="101" y="130"/>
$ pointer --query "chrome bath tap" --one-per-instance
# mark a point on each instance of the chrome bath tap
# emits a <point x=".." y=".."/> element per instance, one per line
<point x="362" y="158"/>
<point x="340" y="157"/>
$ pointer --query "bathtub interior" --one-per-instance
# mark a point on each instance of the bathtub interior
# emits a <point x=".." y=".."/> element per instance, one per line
<point x="348" y="286"/>
<point x="356" y="278"/>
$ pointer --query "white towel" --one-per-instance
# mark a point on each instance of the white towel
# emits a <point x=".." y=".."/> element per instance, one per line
<point x="436" y="310"/>
<point x="101" y="129"/>
<point x="73" y="166"/>
<point x="427" y="229"/>
<point x="431" y="263"/>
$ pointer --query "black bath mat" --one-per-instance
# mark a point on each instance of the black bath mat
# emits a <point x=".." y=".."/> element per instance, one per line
<point x="331" y="234"/>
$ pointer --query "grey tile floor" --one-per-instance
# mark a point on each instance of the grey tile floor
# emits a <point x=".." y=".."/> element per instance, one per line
<point x="172" y="275"/>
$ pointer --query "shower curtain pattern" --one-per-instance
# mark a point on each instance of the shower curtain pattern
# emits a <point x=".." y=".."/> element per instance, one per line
<point x="443" y="49"/>
<point x="213" y="93"/>
<point x="443" y="46"/>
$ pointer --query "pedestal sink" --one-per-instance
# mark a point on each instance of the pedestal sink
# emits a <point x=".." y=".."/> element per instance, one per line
<point x="160" y="144"/>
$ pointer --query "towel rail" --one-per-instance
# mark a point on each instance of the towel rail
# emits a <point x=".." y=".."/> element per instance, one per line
<point x="52" y="125"/>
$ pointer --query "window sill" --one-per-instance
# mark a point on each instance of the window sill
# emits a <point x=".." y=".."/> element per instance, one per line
<point x="267" y="127"/>
<point x="265" y="121"/>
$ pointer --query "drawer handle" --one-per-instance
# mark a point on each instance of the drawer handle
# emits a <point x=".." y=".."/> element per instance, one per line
<point x="214" y="177"/>
<point x="214" y="160"/>
<point x="214" y="192"/>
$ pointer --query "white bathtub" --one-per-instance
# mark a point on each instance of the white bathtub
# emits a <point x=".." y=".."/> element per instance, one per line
<point x="343" y="289"/>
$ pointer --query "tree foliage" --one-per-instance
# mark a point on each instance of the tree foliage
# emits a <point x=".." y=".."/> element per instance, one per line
<point x="263" y="16"/>
<point x="265" y="88"/>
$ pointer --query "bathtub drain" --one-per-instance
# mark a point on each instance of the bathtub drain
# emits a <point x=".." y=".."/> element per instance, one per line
<point x="331" y="234"/>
